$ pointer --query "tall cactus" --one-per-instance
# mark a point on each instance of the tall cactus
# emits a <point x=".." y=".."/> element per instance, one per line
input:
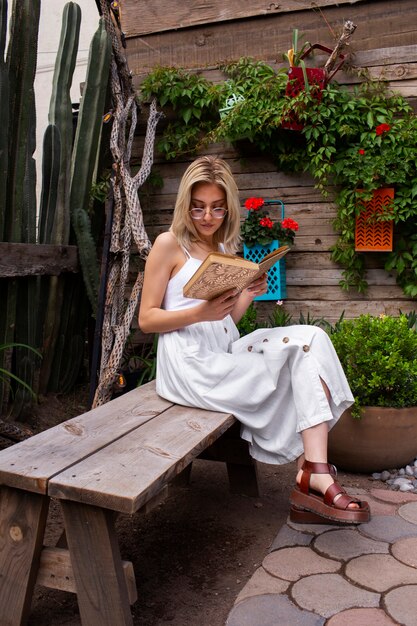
<point x="60" y="113"/>
<point x="21" y="61"/>
<point x="5" y="332"/>
<point x="4" y="115"/>
<point x="18" y="310"/>
<point x="70" y="340"/>
<point x="54" y="210"/>
<point x="87" y="140"/>
<point x="51" y="167"/>
<point x="67" y="178"/>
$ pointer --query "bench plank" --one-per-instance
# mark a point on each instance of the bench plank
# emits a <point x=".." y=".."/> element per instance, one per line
<point x="130" y="471"/>
<point x="30" y="464"/>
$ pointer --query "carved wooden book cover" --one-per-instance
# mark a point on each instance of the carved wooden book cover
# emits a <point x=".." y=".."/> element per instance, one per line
<point x="220" y="272"/>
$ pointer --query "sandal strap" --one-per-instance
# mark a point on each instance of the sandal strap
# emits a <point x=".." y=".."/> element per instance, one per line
<point x="319" y="468"/>
<point x="343" y="501"/>
<point x="309" y="467"/>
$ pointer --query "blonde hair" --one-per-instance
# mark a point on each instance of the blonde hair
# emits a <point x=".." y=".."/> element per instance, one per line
<point x="211" y="170"/>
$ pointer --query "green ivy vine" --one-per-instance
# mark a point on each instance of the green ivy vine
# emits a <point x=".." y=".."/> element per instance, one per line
<point x="354" y="140"/>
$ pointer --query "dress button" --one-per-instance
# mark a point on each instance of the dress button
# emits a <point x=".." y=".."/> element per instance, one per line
<point x="265" y="340"/>
<point x="285" y="340"/>
<point x="306" y="348"/>
<point x="249" y="348"/>
<point x="225" y="329"/>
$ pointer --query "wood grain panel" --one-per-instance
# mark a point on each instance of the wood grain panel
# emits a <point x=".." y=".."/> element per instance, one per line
<point x="331" y="311"/>
<point x="22" y="527"/>
<point x="381" y="24"/>
<point x="55" y="572"/>
<point x="29" y="259"/>
<point x="133" y="469"/>
<point x="152" y="17"/>
<point x="97" y="565"/>
<point x="31" y="463"/>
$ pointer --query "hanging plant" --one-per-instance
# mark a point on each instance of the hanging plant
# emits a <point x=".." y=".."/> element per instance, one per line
<point x="358" y="140"/>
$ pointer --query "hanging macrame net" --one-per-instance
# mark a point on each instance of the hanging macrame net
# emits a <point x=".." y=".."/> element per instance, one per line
<point x="127" y="227"/>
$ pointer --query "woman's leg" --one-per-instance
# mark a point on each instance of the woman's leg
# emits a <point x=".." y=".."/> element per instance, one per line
<point x="315" y="441"/>
<point x="315" y="450"/>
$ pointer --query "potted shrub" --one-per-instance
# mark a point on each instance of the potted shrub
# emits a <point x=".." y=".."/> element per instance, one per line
<point x="379" y="356"/>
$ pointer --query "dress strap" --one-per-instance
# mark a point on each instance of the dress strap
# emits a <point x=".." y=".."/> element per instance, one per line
<point x="187" y="254"/>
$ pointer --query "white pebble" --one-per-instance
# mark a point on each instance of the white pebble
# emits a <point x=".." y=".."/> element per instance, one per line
<point x="409" y="471"/>
<point x="376" y="476"/>
<point x="401" y="481"/>
<point x="406" y="487"/>
<point x="385" y="475"/>
<point x="401" y="471"/>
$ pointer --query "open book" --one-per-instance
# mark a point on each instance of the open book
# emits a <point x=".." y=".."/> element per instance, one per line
<point x="220" y="272"/>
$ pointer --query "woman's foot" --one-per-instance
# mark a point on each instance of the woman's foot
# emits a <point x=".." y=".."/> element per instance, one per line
<point x="318" y="492"/>
<point x="321" y="483"/>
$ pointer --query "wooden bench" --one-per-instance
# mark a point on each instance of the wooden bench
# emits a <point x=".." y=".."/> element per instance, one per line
<point x="119" y="457"/>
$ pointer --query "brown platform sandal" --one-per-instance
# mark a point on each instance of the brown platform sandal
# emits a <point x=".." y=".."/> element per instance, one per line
<point x="305" y="498"/>
<point x="301" y="516"/>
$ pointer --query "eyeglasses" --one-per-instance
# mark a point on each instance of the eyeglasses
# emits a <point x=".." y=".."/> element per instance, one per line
<point x="198" y="213"/>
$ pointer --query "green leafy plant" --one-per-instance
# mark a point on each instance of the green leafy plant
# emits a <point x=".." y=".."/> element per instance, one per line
<point x="358" y="139"/>
<point x="6" y="376"/>
<point x="147" y="362"/>
<point x="378" y="355"/>
<point x="193" y="99"/>
<point x="279" y="317"/>
<point x="249" y="321"/>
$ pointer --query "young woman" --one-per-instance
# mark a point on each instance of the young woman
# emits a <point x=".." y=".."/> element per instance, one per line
<point x="285" y="385"/>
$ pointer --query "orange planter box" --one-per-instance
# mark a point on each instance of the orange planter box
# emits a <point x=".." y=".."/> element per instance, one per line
<point x="371" y="235"/>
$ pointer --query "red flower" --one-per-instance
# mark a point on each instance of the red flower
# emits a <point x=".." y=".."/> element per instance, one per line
<point x="382" y="128"/>
<point x="289" y="223"/>
<point x="266" y="221"/>
<point x="253" y="204"/>
<point x="361" y="151"/>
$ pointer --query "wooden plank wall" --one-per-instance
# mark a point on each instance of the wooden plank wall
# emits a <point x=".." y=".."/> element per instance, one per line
<point x="385" y="43"/>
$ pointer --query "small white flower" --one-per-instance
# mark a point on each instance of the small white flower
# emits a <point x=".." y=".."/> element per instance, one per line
<point x="280" y="302"/>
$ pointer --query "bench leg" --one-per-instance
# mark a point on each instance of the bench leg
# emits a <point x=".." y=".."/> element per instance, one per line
<point x="22" y="528"/>
<point x="95" y="557"/>
<point x="241" y="468"/>
<point x="243" y="479"/>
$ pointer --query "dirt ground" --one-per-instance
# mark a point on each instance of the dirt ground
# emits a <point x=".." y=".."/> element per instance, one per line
<point x="193" y="553"/>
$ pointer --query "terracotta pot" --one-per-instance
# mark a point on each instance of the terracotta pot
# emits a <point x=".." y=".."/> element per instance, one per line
<point x="383" y="439"/>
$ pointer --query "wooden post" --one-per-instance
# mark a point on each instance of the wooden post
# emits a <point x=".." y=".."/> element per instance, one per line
<point x="22" y="527"/>
<point x="97" y="565"/>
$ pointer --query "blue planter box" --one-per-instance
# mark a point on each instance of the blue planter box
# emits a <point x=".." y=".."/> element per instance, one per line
<point x="277" y="286"/>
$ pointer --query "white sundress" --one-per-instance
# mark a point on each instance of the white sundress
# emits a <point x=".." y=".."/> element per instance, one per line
<point x="269" y="379"/>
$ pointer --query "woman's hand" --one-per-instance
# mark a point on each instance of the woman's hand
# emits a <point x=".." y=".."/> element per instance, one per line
<point x="256" y="288"/>
<point x="218" y="308"/>
<point x="259" y="286"/>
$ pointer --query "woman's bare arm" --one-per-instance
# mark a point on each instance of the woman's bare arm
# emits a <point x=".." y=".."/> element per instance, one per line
<point x="164" y="257"/>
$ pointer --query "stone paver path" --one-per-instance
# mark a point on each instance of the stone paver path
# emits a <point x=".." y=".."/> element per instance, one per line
<point x="324" y="575"/>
